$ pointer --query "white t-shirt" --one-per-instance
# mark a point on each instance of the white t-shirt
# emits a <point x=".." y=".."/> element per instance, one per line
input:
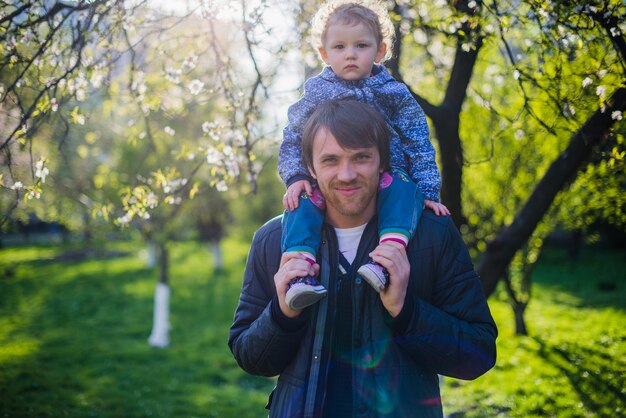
<point x="348" y="240"/>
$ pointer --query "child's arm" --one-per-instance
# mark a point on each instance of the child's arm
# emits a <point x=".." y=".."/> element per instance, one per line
<point x="290" y="164"/>
<point x="291" y="167"/>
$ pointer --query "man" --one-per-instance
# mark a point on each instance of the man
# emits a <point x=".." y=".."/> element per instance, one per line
<point x="358" y="353"/>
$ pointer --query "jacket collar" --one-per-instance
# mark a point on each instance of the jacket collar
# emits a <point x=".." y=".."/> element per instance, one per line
<point x="381" y="76"/>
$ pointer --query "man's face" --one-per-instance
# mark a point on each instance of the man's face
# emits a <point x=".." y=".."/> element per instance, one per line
<point x="348" y="179"/>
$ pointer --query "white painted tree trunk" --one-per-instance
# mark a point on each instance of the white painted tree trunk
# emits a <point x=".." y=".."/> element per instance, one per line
<point x="151" y="256"/>
<point x="218" y="258"/>
<point x="161" y="322"/>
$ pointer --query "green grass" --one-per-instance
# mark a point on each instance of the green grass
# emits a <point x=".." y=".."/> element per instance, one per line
<point x="73" y="340"/>
<point x="573" y="363"/>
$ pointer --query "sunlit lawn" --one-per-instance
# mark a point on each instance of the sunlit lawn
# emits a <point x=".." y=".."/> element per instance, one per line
<point x="73" y="340"/>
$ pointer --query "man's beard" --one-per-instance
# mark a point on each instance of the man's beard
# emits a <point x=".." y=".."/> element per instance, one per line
<point x="350" y="206"/>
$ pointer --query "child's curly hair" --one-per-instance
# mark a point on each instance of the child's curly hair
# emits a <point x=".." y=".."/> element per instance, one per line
<point x="372" y="13"/>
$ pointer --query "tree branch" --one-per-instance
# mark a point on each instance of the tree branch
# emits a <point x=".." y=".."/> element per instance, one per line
<point x="562" y="171"/>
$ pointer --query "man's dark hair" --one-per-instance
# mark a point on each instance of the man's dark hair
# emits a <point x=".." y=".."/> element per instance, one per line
<point x="354" y="124"/>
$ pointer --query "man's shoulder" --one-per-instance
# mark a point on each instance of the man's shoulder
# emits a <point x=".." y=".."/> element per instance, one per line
<point x="270" y="229"/>
<point x="433" y="229"/>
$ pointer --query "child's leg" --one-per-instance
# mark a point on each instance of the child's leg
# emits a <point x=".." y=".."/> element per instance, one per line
<point x="400" y="204"/>
<point x="302" y="228"/>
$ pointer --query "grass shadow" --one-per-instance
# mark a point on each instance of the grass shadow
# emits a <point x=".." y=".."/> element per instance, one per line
<point x="597" y="378"/>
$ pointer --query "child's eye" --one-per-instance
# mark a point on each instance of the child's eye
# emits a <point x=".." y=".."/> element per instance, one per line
<point x="362" y="45"/>
<point x="338" y="46"/>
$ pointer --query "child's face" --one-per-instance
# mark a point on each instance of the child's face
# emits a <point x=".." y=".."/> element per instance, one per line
<point x="351" y="51"/>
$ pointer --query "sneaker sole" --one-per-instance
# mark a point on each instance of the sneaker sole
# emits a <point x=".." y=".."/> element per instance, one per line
<point x="371" y="278"/>
<point x="300" y="296"/>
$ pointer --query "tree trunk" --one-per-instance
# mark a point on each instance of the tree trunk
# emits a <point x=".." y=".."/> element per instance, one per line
<point x="520" y="323"/>
<point x="509" y="240"/>
<point x="151" y="256"/>
<point x="451" y="154"/>
<point x="218" y="257"/>
<point x="161" y="323"/>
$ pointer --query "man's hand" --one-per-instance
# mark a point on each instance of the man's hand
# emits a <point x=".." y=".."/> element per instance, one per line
<point x="292" y="265"/>
<point x="438" y="208"/>
<point x="392" y="256"/>
<point x="290" y="199"/>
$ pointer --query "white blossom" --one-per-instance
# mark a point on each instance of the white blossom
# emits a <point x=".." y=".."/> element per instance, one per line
<point x="168" y="130"/>
<point x="151" y="200"/>
<point x="568" y="109"/>
<point x="124" y="220"/>
<point x="516" y="74"/>
<point x="615" y="32"/>
<point x="173" y="75"/>
<point x="472" y="4"/>
<point x="601" y="92"/>
<point x="616" y="115"/>
<point x="17" y="185"/>
<point x="519" y="134"/>
<point x="206" y="126"/>
<point x="213" y="156"/>
<point x="96" y="80"/>
<point x="587" y="82"/>
<point x="41" y="171"/>
<point x="195" y="86"/>
<point x="33" y="195"/>
<point x="221" y="186"/>
<point x="80" y="119"/>
<point x="190" y="62"/>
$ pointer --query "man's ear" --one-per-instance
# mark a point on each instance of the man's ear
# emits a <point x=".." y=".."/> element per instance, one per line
<point x="323" y="54"/>
<point x="312" y="172"/>
<point x="382" y="50"/>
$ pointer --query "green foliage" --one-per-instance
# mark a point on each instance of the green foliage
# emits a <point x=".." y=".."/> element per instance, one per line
<point x="599" y="192"/>
<point x="73" y="337"/>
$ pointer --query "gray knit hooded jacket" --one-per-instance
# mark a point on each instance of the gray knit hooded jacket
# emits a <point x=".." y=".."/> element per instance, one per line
<point x="410" y="149"/>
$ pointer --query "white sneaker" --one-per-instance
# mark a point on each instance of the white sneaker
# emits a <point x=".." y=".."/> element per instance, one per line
<point x="303" y="292"/>
<point x="375" y="274"/>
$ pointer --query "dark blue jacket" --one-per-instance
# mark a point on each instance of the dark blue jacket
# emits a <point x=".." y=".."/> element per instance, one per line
<point x="445" y="327"/>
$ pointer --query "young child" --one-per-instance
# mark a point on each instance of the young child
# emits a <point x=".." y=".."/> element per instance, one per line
<point x="353" y="38"/>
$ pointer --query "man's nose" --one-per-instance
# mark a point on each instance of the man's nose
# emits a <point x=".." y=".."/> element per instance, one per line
<point x="346" y="172"/>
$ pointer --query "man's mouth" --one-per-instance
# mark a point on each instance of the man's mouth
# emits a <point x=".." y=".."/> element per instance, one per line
<point x="347" y="190"/>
